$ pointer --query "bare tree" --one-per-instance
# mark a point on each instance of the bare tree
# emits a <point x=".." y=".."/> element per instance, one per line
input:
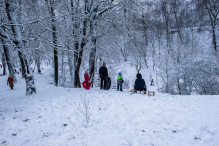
<point x="95" y="10"/>
<point x="9" y="7"/>
<point x="211" y="8"/>
<point x="6" y="57"/>
<point x="51" y="8"/>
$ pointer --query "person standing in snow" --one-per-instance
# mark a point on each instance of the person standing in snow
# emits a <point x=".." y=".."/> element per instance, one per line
<point x="152" y="82"/>
<point x="86" y="77"/>
<point x="10" y="81"/>
<point x="119" y="82"/>
<point x="103" y="73"/>
<point x="140" y="83"/>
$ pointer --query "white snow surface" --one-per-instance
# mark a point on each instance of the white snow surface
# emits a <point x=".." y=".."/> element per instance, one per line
<point x="51" y="117"/>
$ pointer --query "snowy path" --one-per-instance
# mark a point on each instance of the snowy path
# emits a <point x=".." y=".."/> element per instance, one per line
<point x="117" y="118"/>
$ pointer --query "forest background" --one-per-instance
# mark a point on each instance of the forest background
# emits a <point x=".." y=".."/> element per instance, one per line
<point x="177" y="38"/>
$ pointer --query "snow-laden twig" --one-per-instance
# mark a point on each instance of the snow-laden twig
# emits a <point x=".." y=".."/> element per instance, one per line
<point x="85" y="108"/>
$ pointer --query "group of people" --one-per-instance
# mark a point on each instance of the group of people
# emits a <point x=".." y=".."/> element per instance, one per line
<point x="103" y="73"/>
<point x="139" y="83"/>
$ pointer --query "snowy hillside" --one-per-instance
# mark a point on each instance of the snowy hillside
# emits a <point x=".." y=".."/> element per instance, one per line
<point x="52" y="118"/>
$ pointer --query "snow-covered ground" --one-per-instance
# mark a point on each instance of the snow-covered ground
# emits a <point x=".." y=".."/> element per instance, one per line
<point x="52" y="118"/>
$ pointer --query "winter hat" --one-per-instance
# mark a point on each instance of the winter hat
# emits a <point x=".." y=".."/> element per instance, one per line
<point x="120" y="73"/>
<point x="104" y="63"/>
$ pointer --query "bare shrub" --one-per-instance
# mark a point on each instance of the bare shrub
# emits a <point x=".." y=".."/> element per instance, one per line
<point x="85" y="108"/>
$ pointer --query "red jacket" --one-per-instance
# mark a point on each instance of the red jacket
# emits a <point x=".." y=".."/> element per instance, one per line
<point x="10" y="81"/>
<point x="86" y="77"/>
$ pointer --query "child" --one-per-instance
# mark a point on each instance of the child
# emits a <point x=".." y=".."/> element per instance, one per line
<point x="10" y="81"/>
<point x="119" y="82"/>
<point x="86" y="77"/>
<point x="152" y="82"/>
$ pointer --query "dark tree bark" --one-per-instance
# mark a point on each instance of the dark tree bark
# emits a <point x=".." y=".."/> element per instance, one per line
<point x="8" y="60"/>
<point x="77" y="50"/>
<point x="93" y="25"/>
<point x="4" y="64"/>
<point x="54" y="36"/>
<point x="70" y="62"/>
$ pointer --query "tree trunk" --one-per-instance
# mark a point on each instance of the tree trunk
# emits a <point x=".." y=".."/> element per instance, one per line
<point x="30" y="87"/>
<point x="214" y="38"/>
<point x="77" y="64"/>
<point x="4" y="64"/>
<point x="8" y="59"/>
<point x="38" y="65"/>
<point x="54" y="36"/>
<point x="146" y="49"/>
<point x="77" y="50"/>
<point x="178" y="84"/>
<point x="80" y="54"/>
<point x="93" y="25"/>
<point x="23" y="70"/>
<point x="62" y="64"/>
<point x="177" y="22"/>
<point x="71" y="67"/>
<point x="37" y="61"/>
<point x="77" y="77"/>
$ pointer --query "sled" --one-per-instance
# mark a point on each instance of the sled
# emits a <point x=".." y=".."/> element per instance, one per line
<point x="108" y="82"/>
<point x="1" y="75"/>
<point x="133" y="91"/>
<point x="151" y="92"/>
<point x="84" y="84"/>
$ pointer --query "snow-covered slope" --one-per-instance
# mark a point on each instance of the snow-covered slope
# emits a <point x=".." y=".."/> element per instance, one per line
<point x="52" y="118"/>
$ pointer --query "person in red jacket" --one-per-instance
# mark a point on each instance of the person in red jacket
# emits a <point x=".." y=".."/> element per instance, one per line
<point x="10" y="81"/>
<point x="86" y="77"/>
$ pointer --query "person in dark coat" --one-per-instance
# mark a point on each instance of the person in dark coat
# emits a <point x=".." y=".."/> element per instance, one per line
<point x="10" y="81"/>
<point x="86" y="77"/>
<point x="152" y="82"/>
<point x="103" y="72"/>
<point x="140" y="83"/>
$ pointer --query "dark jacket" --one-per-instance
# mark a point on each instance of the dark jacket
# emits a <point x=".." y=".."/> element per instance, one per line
<point x="103" y="72"/>
<point x="140" y="83"/>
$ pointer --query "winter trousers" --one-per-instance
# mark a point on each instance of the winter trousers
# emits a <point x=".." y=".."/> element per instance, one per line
<point x="103" y="83"/>
<point x="87" y="86"/>
<point x="119" y="85"/>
